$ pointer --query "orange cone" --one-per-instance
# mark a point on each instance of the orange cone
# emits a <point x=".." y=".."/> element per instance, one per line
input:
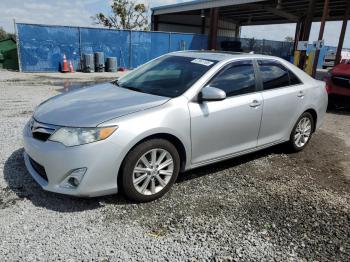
<point x="71" y="69"/>
<point x="65" y="65"/>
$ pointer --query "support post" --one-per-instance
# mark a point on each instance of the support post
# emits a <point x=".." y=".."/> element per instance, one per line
<point x="237" y="31"/>
<point x="306" y="31"/>
<point x="154" y="23"/>
<point x="296" y="36"/>
<point x="214" y="17"/>
<point x="17" y="45"/>
<point x="320" y="35"/>
<point x="342" y="35"/>
<point x="203" y="22"/>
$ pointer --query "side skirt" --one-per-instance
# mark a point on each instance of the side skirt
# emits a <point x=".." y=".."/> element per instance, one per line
<point x="244" y="152"/>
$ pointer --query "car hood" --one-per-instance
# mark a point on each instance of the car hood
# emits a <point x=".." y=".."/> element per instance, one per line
<point x="91" y="106"/>
<point x="341" y="69"/>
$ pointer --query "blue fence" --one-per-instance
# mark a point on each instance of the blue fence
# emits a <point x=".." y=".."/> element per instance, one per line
<point x="261" y="46"/>
<point x="41" y="47"/>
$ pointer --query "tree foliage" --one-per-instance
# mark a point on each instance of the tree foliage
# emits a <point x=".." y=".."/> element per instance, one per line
<point x="289" y="39"/>
<point x="3" y="33"/>
<point x="126" y="14"/>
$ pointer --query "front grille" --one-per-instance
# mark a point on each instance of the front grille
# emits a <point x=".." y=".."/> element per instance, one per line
<point x="343" y="81"/>
<point x="41" y="131"/>
<point x="38" y="168"/>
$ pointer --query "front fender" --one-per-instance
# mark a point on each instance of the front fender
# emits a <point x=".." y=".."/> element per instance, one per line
<point x="171" y="118"/>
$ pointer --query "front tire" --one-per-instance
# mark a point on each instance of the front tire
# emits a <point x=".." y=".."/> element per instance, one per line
<point x="149" y="170"/>
<point x="302" y="132"/>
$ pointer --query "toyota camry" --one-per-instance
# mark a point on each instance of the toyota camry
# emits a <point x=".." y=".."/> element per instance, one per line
<point x="177" y="112"/>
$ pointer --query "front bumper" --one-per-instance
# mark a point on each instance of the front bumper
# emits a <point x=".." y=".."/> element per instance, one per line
<point x="102" y="160"/>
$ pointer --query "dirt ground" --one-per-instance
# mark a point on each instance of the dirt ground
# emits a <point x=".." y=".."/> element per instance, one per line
<point x="266" y="206"/>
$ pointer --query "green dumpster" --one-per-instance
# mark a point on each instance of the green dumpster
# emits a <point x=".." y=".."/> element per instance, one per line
<point x="8" y="54"/>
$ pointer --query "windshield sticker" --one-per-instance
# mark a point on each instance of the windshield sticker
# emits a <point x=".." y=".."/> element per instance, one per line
<point x="202" y="62"/>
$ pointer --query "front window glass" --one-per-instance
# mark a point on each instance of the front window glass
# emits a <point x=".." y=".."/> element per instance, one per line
<point x="168" y="76"/>
<point x="236" y="79"/>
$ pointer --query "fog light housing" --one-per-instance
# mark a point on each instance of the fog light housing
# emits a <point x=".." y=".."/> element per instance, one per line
<point x="74" y="178"/>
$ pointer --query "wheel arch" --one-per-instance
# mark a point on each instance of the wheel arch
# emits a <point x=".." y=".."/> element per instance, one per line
<point x="314" y="116"/>
<point x="172" y="139"/>
<point x="179" y="145"/>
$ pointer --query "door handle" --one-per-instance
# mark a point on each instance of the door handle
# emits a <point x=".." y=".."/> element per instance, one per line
<point x="301" y="94"/>
<point x="255" y="103"/>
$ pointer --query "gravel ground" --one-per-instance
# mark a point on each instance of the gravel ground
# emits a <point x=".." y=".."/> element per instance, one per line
<point x="267" y="206"/>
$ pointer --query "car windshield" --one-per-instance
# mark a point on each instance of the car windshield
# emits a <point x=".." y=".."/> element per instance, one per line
<point x="168" y="76"/>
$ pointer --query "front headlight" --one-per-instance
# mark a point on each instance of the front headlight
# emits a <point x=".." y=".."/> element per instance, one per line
<point x="73" y="136"/>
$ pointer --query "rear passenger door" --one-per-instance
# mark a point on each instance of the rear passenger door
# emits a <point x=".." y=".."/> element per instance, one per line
<point x="282" y="94"/>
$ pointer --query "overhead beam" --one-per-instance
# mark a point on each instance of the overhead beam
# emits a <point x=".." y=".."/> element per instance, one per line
<point x="273" y="10"/>
<point x="198" y="5"/>
<point x="273" y="21"/>
<point x="282" y="13"/>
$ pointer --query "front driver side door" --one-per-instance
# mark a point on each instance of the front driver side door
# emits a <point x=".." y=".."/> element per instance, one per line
<point x="222" y="128"/>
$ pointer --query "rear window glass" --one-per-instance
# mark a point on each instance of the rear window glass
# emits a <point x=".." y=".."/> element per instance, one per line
<point x="294" y="80"/>
<point x="273" y="74"/>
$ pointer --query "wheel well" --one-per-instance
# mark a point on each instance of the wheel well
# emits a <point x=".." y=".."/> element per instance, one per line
<point x="175" y="141"/>
<point x="314" y="116"/>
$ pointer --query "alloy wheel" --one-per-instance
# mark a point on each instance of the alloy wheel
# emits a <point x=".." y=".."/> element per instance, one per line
<point x="302" y="132"/>
<point x="153" y="171"/>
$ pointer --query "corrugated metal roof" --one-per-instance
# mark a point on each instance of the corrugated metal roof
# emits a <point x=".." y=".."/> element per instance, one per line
<point x="198" y="4"/>
<point x="257" y="12"/>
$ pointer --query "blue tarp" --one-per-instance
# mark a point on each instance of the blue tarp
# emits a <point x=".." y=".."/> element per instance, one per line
<point x="111" y="42"/>
<point x="42" y="47"/>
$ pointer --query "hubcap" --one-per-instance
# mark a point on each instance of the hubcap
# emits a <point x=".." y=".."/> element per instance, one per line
<point x="153" y="171"/>
<point x="302" y="132"/>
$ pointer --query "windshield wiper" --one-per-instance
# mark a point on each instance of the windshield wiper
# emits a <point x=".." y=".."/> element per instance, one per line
<point x="115" y="82"/>
<point x="132" y="88"/>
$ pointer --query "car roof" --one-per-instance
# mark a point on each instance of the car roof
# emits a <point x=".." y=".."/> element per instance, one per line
<point x="218" y="55"/>
<point x="222" y="56"/>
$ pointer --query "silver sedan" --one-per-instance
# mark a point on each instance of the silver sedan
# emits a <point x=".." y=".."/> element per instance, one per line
<point x="177" y="112"/>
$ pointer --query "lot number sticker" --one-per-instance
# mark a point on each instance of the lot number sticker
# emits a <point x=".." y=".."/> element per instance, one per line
<point x="202" y="62"/>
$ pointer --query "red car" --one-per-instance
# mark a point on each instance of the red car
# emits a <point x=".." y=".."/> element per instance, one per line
<point x="338" y="84"/>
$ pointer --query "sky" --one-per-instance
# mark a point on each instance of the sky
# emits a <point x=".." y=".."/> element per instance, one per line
<point x="79" y="12"/>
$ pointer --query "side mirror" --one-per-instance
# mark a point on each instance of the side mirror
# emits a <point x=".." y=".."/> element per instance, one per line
<point x="210" y="93"/>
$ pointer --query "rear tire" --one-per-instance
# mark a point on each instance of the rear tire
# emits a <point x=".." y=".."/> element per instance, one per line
<point x="302" y="132"/>
<point x="149" y="170"/>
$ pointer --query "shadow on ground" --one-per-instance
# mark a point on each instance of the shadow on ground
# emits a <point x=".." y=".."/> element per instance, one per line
<point x="23" y="185"/>
<point x="321" y="160"/>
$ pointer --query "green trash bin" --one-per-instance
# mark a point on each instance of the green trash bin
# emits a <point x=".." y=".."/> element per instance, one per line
<point x="1" y="61"/>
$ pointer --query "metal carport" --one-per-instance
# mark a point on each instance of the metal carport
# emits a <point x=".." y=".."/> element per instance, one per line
<point x="220" y="17"/>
